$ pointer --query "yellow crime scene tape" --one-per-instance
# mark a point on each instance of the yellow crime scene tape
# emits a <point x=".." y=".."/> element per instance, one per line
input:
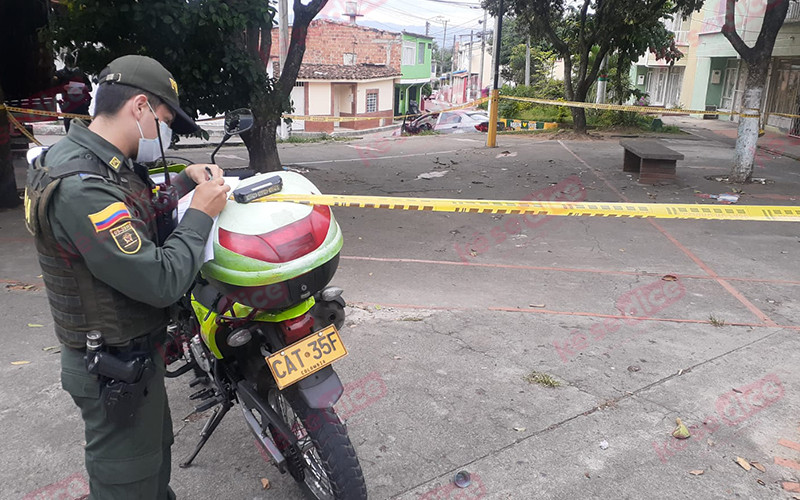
<point x="22" y="129"/>
<point x="315" y="118"/>
<point x="39" y="112"/>
<point x="637" y="109"/>
<point x="592" y="209"/>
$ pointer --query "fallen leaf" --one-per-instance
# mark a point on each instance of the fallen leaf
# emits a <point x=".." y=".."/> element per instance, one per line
<point x="669" y="277"/>
<point x="758" y="466"/>
<point x="744" y="464"/>
<point x="264" y="483"/>
<point x="35" y="325"/>
<point x="535" y="305"/>
<point x="680" y="432"/>
<point x="760" y="482"/>
<point x="51" y="348"/>
<point x="20" y="362"/>
<point x="696" y="472"/>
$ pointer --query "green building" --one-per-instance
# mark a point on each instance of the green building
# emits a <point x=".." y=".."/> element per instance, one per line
<point x="416" y="68"/>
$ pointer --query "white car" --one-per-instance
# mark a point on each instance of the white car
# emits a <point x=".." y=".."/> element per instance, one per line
<point x="461" y="121"/>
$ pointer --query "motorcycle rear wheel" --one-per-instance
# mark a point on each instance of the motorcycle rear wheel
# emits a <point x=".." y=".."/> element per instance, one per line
<point x="332" y="471"/>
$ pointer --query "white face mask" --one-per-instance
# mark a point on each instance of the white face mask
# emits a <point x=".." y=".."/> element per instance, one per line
<point x="150" y="149"/>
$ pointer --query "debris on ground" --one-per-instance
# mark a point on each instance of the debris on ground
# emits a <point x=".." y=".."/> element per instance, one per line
<point x="744" y="464"/>
<point x="604" y="445"/>
<point x="18" y="285"/>
<point x="506" y="154"/>
<point x="16" y="363"/>
<point x="681" y="431"/>
<point x="758" y="466"/>
<point x="462" y="479"/>
<point x="697" y="472"/>
<point x="432" y="175"/>
<point x="669" y="277"/>
<point x="726" y="198"/>
<point x="264" y="483"/>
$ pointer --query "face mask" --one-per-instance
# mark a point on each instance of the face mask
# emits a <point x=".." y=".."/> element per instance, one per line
<point x="150" y="149"/>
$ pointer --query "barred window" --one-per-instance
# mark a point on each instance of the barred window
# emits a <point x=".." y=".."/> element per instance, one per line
<point x="372" y="102"/>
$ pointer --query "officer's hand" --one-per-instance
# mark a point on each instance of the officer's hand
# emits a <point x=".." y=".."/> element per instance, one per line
<point x="199" y="174"/>
<point x="210" y="197"/>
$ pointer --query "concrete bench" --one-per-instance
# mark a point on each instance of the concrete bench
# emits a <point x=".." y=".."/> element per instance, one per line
<point x="652" y="160"/>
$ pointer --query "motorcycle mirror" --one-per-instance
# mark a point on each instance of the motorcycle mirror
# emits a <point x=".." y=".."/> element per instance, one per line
<point x="238" y="121"/>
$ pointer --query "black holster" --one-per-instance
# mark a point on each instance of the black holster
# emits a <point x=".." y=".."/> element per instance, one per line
<point x="124" y="382"/>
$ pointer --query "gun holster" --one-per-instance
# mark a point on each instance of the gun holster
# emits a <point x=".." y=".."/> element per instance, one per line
<point x="124" y="382"/>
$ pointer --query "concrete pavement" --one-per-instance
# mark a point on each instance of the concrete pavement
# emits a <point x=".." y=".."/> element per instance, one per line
<point x="451" y="313"/>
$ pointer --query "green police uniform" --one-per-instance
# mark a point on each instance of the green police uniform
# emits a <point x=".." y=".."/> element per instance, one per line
<point x="91" y="210"/>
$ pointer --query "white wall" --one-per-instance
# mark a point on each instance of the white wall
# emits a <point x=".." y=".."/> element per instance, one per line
<point x="319" y="98"/>
<point x="385" y="95"/>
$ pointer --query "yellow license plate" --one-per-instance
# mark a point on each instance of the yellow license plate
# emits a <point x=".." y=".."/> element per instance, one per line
<point x="306" y="356"/>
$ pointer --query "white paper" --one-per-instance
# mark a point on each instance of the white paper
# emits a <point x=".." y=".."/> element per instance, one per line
<point x="183" y="205"/>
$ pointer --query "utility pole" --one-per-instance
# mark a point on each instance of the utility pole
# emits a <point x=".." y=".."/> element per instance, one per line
<point x="528" y="62"/>
<point x="283" y="40"/>
<point x="469" y="70"/>
<point x="444" y="44"/>
<point x="491" y="137"/>
<point x="452" y="66"/>
<point x="427" y="28"/>
<point x="483" y="54"/>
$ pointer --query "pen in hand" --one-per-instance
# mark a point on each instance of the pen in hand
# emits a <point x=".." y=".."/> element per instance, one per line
<point x="210" y="175"/>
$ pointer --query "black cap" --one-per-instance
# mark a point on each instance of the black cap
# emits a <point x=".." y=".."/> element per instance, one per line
<point x="148" y="74"/>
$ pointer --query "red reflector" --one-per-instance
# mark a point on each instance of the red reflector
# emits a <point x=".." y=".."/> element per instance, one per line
<point x="297" y="328"/>
<point x="281" y="245"/>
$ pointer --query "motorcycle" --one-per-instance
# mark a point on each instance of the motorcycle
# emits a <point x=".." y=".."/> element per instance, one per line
<point x="260" y="328"/>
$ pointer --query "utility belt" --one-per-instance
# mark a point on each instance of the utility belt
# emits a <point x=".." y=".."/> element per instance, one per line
<point x="124" y="372"/>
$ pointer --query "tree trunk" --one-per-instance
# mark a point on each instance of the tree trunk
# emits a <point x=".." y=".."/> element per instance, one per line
<point x="579" y="114"/>
<point x="748" y="125"/>
<point x="757" y="59"/>
<point x="8" y="184"/>
<point x="262" y="146"/>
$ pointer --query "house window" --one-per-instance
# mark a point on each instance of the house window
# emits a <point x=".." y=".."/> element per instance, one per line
<point x="421" y="53"/>
<point x="349" y="59"/>
<point x="409" y="53"/>
<point x="372" y="101"/>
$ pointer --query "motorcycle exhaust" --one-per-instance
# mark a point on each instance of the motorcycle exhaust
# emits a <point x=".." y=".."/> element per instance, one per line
<point x="265" y="442"/>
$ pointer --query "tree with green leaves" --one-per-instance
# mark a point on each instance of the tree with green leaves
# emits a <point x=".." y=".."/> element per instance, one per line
<point x="584" y="32"/>
<point x="757" y="59"/>
<point x="218" y="51"/>
<point x="542" y="61"/>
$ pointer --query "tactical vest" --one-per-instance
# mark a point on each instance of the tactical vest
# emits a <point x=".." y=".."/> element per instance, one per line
<point x="80" y="302"/>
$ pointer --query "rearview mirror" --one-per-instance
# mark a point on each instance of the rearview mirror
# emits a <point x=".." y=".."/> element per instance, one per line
<point x="238" y="121"/>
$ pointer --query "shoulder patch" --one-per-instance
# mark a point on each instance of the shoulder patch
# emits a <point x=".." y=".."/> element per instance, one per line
<point x="109" y="216"/>
<point x="126" y="238"/>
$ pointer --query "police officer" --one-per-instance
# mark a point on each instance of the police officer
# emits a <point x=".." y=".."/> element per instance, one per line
<point x="91" y="207"/>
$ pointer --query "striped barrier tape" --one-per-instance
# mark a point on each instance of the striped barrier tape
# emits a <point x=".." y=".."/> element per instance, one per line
<point x="328" y="119"/>
<point x="636" y="109"/>
<point x="592" y="209"/>
<point x="22" y="129"/>
<point x="39" y="112"/>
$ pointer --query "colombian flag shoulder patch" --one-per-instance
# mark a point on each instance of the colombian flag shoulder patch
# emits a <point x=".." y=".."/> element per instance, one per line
<point x="109" y="216"/>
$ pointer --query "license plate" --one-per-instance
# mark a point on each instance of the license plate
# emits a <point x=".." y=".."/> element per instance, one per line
<point x="306" y="356"/>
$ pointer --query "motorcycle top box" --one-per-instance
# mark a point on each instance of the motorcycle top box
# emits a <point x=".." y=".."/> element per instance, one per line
<point x="271" y="255"/>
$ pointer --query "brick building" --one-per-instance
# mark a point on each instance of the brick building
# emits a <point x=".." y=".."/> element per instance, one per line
<point x="347" y="70"/>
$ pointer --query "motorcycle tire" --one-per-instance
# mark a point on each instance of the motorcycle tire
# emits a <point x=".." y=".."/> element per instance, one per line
<point x="329" y="453"/>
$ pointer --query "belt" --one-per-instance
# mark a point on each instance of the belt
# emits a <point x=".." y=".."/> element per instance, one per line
<point x="144" y="343"/>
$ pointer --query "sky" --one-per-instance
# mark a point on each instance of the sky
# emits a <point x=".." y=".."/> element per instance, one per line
<point x="410" y="15"/>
